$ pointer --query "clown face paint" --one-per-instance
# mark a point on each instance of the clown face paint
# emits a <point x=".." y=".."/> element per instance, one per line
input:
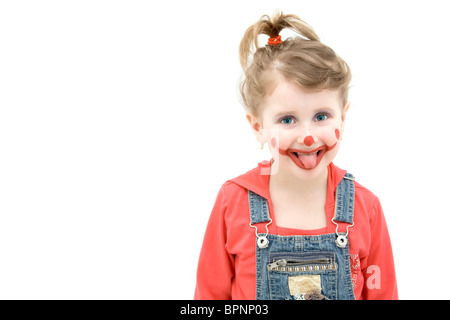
<point x="273" y="142"/>
<point x="308" y="124"/>
<point x="337" y="133"/>
<point x="307" y="159"/>
<point x="309" y="140"/>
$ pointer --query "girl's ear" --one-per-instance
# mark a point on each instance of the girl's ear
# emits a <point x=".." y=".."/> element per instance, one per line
<point x="345" y="109"/>
<point x="256" y="126"/>
<point x="343" y="117"/>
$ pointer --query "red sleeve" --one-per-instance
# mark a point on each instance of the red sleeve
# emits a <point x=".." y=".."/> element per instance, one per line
<point x="216" y="266"/>
<point x="379" y="272"/>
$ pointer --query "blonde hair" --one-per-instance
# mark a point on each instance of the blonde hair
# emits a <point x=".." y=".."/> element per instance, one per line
<point x="304" y="60"/>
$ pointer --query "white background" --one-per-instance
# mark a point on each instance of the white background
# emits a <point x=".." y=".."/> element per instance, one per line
<point x="120" y="120"/>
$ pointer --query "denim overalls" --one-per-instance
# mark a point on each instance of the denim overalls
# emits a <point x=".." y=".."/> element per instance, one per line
<point x="304" y="267"/>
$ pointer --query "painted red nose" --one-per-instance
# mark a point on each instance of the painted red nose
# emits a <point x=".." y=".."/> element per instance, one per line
<point x="308" y="141"/>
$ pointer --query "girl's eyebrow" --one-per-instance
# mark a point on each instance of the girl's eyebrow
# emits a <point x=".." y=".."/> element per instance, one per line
<point x="319" y="109"/>
<point x="325" y="109"/>
<point x="284" y="113"/>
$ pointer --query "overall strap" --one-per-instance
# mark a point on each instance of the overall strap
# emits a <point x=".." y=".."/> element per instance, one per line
<point x="345" y="199"/>
<point x="259" y="211"/>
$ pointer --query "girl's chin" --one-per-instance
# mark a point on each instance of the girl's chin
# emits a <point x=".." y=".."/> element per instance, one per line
<point x="309" y="174"/>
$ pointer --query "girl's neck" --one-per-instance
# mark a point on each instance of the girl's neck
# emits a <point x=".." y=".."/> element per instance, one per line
<point x="301" y="188"/>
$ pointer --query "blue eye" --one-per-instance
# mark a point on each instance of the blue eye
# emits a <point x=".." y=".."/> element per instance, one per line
<point x="287" y="120"/>
<point x="321" y="117"/>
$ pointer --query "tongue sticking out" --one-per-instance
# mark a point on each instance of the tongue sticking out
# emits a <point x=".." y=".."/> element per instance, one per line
<point x="308" y="160"/>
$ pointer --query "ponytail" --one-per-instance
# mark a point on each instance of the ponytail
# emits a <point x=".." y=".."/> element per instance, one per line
<point x="272" y="28"/>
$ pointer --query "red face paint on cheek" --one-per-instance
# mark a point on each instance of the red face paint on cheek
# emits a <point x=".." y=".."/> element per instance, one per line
<point x="273" y="142"/>
<point x="309" y="140"/>
<point x="338" y="133"/>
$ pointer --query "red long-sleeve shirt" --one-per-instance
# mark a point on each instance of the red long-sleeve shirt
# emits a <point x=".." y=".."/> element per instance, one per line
<point x="227" y="264"/>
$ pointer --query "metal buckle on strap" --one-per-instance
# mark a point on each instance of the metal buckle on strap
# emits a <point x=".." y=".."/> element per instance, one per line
<point x="341" y="240"/>
<point x="262" y="240"/>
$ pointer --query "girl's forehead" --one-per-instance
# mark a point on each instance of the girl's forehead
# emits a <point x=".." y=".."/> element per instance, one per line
<point x="290" y="97"/>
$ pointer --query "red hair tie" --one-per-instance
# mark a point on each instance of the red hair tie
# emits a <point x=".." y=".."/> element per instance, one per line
<point x="275" y="41"/>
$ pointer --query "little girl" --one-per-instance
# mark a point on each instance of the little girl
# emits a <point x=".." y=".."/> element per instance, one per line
<point x="297" y="227"/>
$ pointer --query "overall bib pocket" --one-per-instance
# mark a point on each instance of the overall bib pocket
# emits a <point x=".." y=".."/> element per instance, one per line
<point x="302" y="275"/>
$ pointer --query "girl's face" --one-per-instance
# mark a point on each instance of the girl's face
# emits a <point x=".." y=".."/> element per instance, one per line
<point x="302" y="128"/>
